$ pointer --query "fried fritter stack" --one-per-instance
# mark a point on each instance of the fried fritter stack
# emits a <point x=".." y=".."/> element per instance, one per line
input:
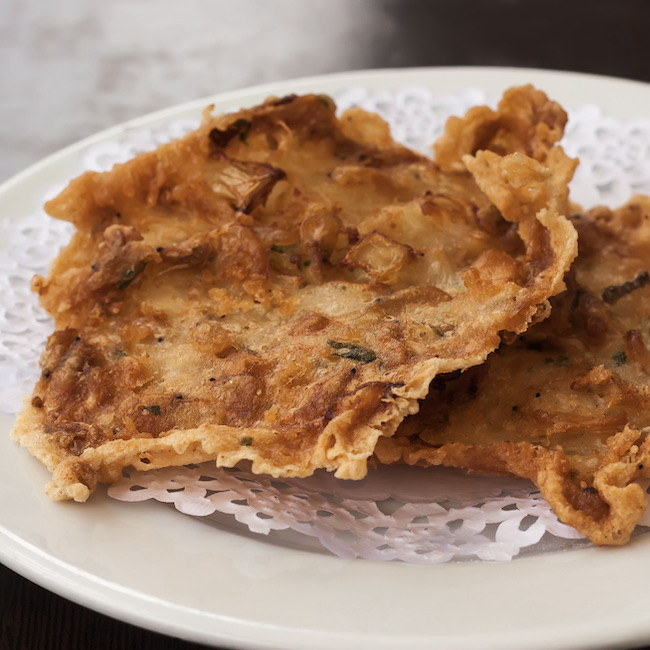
<point x="567" y="404"/>
<point x="283" y="285"/>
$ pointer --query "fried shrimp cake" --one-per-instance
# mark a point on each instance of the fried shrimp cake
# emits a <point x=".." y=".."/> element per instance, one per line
<point x="279" y="286"/>
<point x="568" y="404"/>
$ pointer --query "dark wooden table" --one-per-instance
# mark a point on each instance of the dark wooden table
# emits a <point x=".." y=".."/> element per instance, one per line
<point x="32" y="618"/>
<point x="600" y="36"/>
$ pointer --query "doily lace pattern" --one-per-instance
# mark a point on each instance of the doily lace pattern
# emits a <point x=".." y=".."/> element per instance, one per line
<point x="462" y="517"/>
<point x="407" y="514"/>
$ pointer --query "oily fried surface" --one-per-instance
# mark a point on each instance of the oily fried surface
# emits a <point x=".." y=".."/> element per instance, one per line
<point x="567" y="405"/>
<point x="280" y="286"/>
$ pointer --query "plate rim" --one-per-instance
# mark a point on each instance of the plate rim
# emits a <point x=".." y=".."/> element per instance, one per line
<point x="371" y="77"/>
<point x="61" y="577"/>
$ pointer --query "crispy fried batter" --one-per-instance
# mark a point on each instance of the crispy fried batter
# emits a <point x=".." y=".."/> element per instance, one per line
<point x="526" y="120"/>
<point x="568" y="404"/>
<point x="279" y="286"/>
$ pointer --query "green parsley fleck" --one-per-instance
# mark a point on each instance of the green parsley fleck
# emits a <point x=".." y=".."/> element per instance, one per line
<point x="243" y="126"/>
<point x="154" y="410"/>
<point x="283" y="248"/>
<point x="131" y="274"/>
<point x="352" y="351"/>
<point x="326" y="101"/>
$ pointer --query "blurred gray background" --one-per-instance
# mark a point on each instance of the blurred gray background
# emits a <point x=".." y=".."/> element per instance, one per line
<point x="69" y="68"/>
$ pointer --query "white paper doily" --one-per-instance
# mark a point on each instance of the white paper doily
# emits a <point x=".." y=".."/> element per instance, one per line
<point x="408" y="514"/>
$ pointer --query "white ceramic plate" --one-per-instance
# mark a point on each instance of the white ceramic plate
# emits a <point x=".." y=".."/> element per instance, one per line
<point x="148" y="565"/>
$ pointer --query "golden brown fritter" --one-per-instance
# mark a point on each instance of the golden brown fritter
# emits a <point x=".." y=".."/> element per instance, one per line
<point x="568" y="404"/>
<point x="281" y="286"/>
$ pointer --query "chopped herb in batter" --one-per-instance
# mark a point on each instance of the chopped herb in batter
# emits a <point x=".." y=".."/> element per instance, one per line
<point x="352" y="351"/>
